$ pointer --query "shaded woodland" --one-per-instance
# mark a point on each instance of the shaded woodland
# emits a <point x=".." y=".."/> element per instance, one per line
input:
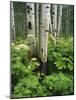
<point x="42" y="49"/>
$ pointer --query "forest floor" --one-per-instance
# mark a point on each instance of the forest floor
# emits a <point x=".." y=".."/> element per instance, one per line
<point x="27" y="81"/>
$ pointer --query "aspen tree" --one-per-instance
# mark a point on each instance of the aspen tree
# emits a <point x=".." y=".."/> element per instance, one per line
<point x="12" y="22"/>
<point x="54" y="21"/>
<point x="43" y="36"/>
<point x="31" y="26"/>
<point x="37" y="29"/>
<point x="37" y="18"/>
<point x="59" y="20"/>
<point x="50" y="20"/>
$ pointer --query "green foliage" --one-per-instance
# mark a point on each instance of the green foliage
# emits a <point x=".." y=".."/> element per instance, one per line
<point x="59" y="84"/>
<point x="27" y="86"/>
<point x="27" y="80"/>
<point x="21" y="65"/>
<point x="61" y="56"/>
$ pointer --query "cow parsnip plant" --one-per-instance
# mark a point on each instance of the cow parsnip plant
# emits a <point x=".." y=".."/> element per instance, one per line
<point x="61" y="56"/>
<point x="58" y="84"/>
<point x="27" y="81"/>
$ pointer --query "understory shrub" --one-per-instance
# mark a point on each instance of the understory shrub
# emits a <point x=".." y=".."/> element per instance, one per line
<point x="58" y="84"/>
<point x="61" y="55"/>
<point x="27" y="80"/>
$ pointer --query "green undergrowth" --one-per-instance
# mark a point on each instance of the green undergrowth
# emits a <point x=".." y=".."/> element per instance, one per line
<point x="61" y="55"/>
<point x="27" y="80"/>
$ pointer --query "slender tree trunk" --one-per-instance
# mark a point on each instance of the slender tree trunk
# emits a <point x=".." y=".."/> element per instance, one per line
<point x="37" y="18"/>
<point x="37" y="29"/>
<point x="54" y="21"/>
<point x="31" y="26"/>
<point x="59" y="20"/>
<point x="12" y="23"/>
<point x="50" y="21"/>
<point x="44" y="28"/>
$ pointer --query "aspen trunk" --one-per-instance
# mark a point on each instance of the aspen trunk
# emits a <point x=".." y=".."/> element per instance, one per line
<point x="59" y="20"/>
<point x="31" y="26"/>
<point x="12" y="22"/>
<point x="50" y="21"/>
<point x="37" y="29"/>
<point x="44" y="28"/>
<point x="54" y="21"/>
<point x="37" y="18"/>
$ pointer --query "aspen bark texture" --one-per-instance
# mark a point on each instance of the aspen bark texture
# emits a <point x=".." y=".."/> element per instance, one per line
<point x="44" y="28"/>
<point x="12" y="22"/>
<point x="59" y="20"/>
<point x="54" y="20"/>
<point x="31" y="26"/>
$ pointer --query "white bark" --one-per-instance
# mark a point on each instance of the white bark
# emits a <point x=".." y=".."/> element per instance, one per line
<point x="37" y="18"/>
<point x="59" y="20"/>
<point x="31" y="26"/>
<point x="54" y="19"/>
<point x="37" y="28"/>
<point x="12" y="22"/>
<point x="50" y="22"/>
<point x="44" y="28"/>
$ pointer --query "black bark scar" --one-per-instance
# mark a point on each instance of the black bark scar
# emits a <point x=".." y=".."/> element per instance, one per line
<point x="29" y="25"/>
<point x="28" y="7"/>
<point x="42" y="49"/>
<point x="47" y="6"/>
<point x="53" y="13"/>
<point x="46" y="30"/>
